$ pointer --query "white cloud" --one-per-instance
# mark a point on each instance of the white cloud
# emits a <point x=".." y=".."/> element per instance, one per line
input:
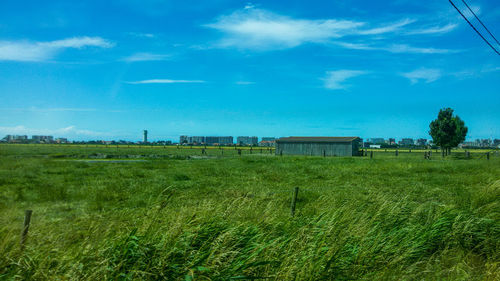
<point x="403" y="48"/>
<point x="259" y="29"/>
<point x="69" y="131"/>
<point x="142" y="35"/>
<point x="255" y="28"/>
<point x="249" y="6"/>
<point x="164" y="81"/>
<point x="434" y="29"/>
<point x="355" y="46"/>
<point x="42" y="51"/>
<point x="52" y="109"/>
<point x="57" y="109"/>
<point x="334" y="79"/>
<point x="147" y="57"/>
<point x="244" y="83"/>
<point x="78" y="43"/>
<point x="426" y="75"/>
<point x="394" y="48"/>
<point x="388" y="28"/>
<point x="468" y="14"/>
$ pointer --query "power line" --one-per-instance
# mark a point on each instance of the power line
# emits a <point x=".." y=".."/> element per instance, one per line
<point x="474" y="28"/>
<point x="480" y="21"/>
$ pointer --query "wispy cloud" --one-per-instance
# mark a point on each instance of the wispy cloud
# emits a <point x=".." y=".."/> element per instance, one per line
<point x="403" y="48"/>
<point x="57" y="109"/>
<point x="147" y="57"/>
<point x="475" y="72"/>
<point x="69" y="131"/>
<point x="387" y="28"/>
<point x="259" y="29"/>
<point x="434" y="29"/>
<point x="334" y="80"/>
<point x="394" y="48"/>
<point x="244" y="83"/>
<point x="255" y="28"/>
<point x="164" y="81"/>
<point x="249" y="6"/>
<point x="426" y="75"/>
<point x="42" y="51"/>
<point x="142" y="35"/>
<point x="51" y="109"/>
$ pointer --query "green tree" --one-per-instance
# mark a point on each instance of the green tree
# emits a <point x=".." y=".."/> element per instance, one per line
<point x="447" y="131"/>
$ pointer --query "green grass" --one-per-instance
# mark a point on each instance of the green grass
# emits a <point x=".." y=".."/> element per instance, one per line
<point x="178" y="217"/>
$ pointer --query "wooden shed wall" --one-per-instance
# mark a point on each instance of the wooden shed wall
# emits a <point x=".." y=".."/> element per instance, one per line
<point x="317" y="149"/>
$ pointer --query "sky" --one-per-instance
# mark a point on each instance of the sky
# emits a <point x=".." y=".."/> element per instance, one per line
<point x="107" y="70"/>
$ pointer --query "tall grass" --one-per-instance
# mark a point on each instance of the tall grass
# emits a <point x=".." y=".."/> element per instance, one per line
<point x="387" y="218"/>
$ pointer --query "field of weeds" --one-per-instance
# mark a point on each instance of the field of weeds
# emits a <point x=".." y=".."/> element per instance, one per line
<point x="185" y="215"/>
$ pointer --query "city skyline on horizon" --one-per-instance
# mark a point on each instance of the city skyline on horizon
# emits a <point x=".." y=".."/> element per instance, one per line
<point x="93" y="70"/>
<point x="176" y="139"/>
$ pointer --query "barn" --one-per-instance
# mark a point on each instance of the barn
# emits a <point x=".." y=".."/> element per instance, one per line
<point x="318" y="146"/>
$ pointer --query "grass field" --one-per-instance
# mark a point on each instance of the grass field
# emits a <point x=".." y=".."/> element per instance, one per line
<point x="181" y="215"/>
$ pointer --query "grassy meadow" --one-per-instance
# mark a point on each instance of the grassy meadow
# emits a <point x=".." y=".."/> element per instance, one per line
<point x="184" y="215"/>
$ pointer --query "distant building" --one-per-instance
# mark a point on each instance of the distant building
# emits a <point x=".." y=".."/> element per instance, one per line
<point x="197" y="140"/>
<point x="486" y="143"/>
<point x="183" y="140"/>
<point x="267" y="141"/>
<point x="245" y="140"/>
<point x="496" y="142"/>
<point x="406" y="142"/>
<point x="61" y="140"/>
<point x="469" y="144"/>
<point x="211" y="140"/>
<point x="15" y="138"/>
<point x="145" y="136"/>
<point x="377" y="140"/>
<point x="421" y="142"/>
<point x="43" y="139"/>
<point x="374" y="145"/>
<point x="318" y="146"/>
<point x="391" y="141"/>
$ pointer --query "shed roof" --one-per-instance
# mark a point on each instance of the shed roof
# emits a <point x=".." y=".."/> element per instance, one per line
<point x="317" y="139"/>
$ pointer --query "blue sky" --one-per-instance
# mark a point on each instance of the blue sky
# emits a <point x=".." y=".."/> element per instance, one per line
<point x="109" y="69"/>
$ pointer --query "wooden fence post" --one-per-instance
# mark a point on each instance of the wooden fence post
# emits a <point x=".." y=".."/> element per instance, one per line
<point x="397" y="152"/>
<point x="371" y="154"/>
<point x="239" y="152"/>
<point x="26" y="226"/>
<point x="487" y="156"/>
<point x="294" y="200"/>
<point x="324" y="153"/>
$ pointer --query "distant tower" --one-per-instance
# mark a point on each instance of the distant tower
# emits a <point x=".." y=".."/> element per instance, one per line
<point x="145" y="138"/>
